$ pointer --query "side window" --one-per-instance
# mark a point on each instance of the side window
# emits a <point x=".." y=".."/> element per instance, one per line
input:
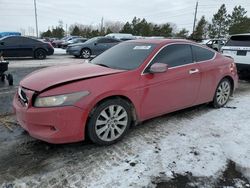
<point x="175" y="55"/>
<point x="27" y="41"/>
<point x="202" y="54"/>
<point x="12" y="41"/>
<point x="102" y="41"/>
<point x="111" y="41"/>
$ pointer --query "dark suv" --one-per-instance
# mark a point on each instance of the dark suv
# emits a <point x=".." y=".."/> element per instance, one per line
<point x="18" y="46"/>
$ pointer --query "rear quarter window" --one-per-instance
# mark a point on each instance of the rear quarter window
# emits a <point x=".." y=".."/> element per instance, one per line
<point x="241" y="40"/>
<point x="202" y="54"/>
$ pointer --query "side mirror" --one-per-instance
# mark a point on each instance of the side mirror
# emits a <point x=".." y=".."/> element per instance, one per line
<point x="1" y="43"/>
<point x="158" y="68"/>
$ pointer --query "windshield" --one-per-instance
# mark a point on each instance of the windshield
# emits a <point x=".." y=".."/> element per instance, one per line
<point x="125" y="56"/>
<point x="239" y="40"/>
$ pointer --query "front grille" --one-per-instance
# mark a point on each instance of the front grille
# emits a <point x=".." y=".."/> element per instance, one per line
<point x="22" y="96"/>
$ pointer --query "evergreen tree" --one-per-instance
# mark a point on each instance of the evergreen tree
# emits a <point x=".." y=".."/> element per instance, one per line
<point x="58" y="32"/>
<point x="182" y="34"/>
<point x="240" y="27"/>
<point x="76" y="31"/>
<point x="200" y="30"/>
<point x="47" y="33"/>
<point x="219" y="26"/>
<point x="166" y="30"/>
<point x="238" y="22"/>
<point x="127" y="28"/>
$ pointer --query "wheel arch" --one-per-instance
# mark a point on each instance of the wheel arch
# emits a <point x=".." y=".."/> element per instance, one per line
<point x="121" y="97"/>
<point x="40" y="48"/>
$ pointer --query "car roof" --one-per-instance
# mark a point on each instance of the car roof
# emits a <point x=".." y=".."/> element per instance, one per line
<point x="245" y="34"/>
<point x="160" y="41"/>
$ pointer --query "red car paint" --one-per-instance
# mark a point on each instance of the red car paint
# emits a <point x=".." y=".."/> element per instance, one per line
<point x="151" y="94"/>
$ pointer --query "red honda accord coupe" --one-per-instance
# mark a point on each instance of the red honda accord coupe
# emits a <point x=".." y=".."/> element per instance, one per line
<point x="131" y="82"/>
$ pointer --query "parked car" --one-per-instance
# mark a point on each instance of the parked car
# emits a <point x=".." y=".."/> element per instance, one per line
<point x="4" y="34"/>
<point x="238" y="47"/>
<point x="19" y="46"/>
<point x="73" y="41"/>
<point x="121" y="36"/>
<point x="131" y="82"/>
<point x="92" y="47"/>
<point x="58" y="43"/>
<point x="215" y="44"/>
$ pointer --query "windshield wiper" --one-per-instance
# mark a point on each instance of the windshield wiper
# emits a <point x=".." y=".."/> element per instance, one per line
<point x="103" y="65"/>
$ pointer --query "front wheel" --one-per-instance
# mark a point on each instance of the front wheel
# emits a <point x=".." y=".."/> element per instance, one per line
<point x="109" y="122"/>
<point x="86" y="53"/>
<point x="40" y="54"/>
<point x="222" y="93"/>
<point x="2" y="77"/>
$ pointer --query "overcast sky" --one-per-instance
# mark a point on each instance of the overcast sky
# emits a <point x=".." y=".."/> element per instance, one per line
<point x="18" y="15"/>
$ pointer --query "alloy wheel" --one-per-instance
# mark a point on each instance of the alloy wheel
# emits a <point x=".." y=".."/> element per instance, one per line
<point x="111" y="123"/>
<point x="223" y="92"/>
<point x="86" y="53"/>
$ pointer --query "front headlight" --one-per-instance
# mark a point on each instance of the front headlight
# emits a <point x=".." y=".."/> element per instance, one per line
<point x="60" y="100"/>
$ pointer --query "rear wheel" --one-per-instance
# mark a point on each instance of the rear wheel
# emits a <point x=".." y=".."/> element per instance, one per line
<point x="109" y="122"/>
<point x="10" y="79"/>
<point x="85" y="53"/>
<point x="222" y="93"/>
<point x="40" y="54"/>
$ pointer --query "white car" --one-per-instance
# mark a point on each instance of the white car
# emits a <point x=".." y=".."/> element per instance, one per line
<point x="121" y="36"/>
<point x="215" y="44"/>
<point x="238" y="47"/>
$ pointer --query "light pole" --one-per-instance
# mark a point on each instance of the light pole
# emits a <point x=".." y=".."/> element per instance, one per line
<point x="36" y="18"/>
<point x="195" y="14"/>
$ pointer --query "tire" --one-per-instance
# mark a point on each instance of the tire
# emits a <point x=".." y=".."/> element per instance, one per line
<point x="40" y="54"/>
<point x="85" y="53"/>
<point x="10" y="79"/>
<point x="2" y="77"/>
<point x="109" y="122"/>
<point x="222" y="93"/>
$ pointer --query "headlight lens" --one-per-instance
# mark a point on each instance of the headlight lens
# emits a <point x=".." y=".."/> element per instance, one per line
<point x="60" y="100"/>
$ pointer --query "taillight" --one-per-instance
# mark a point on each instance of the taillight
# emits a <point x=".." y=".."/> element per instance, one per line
<point x="50" y="44"/>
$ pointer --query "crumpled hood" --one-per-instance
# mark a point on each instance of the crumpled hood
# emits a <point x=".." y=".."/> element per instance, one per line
<point x="48" y="77"/>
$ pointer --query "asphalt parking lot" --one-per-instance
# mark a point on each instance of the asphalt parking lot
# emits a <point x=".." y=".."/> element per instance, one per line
<point x="189" y="148"/>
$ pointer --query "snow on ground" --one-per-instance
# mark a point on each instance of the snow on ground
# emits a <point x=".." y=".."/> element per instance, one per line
<point x="199" y="143"/>
<point x="59" y="51"/>
<point x="203" y="146"/>
<point x="54" y="60"/>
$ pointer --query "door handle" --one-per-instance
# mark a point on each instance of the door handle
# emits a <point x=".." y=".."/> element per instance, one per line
<point x="193" y="71"/>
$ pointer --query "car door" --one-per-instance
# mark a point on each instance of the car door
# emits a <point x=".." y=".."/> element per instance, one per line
<point x="208" y="71"/>
<point x="104" y="44"/>
<point x="100" y="46"/>
<point x="10" y="46"/>
<point x="26" y="46"/>
<point x="174" y="89"/>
